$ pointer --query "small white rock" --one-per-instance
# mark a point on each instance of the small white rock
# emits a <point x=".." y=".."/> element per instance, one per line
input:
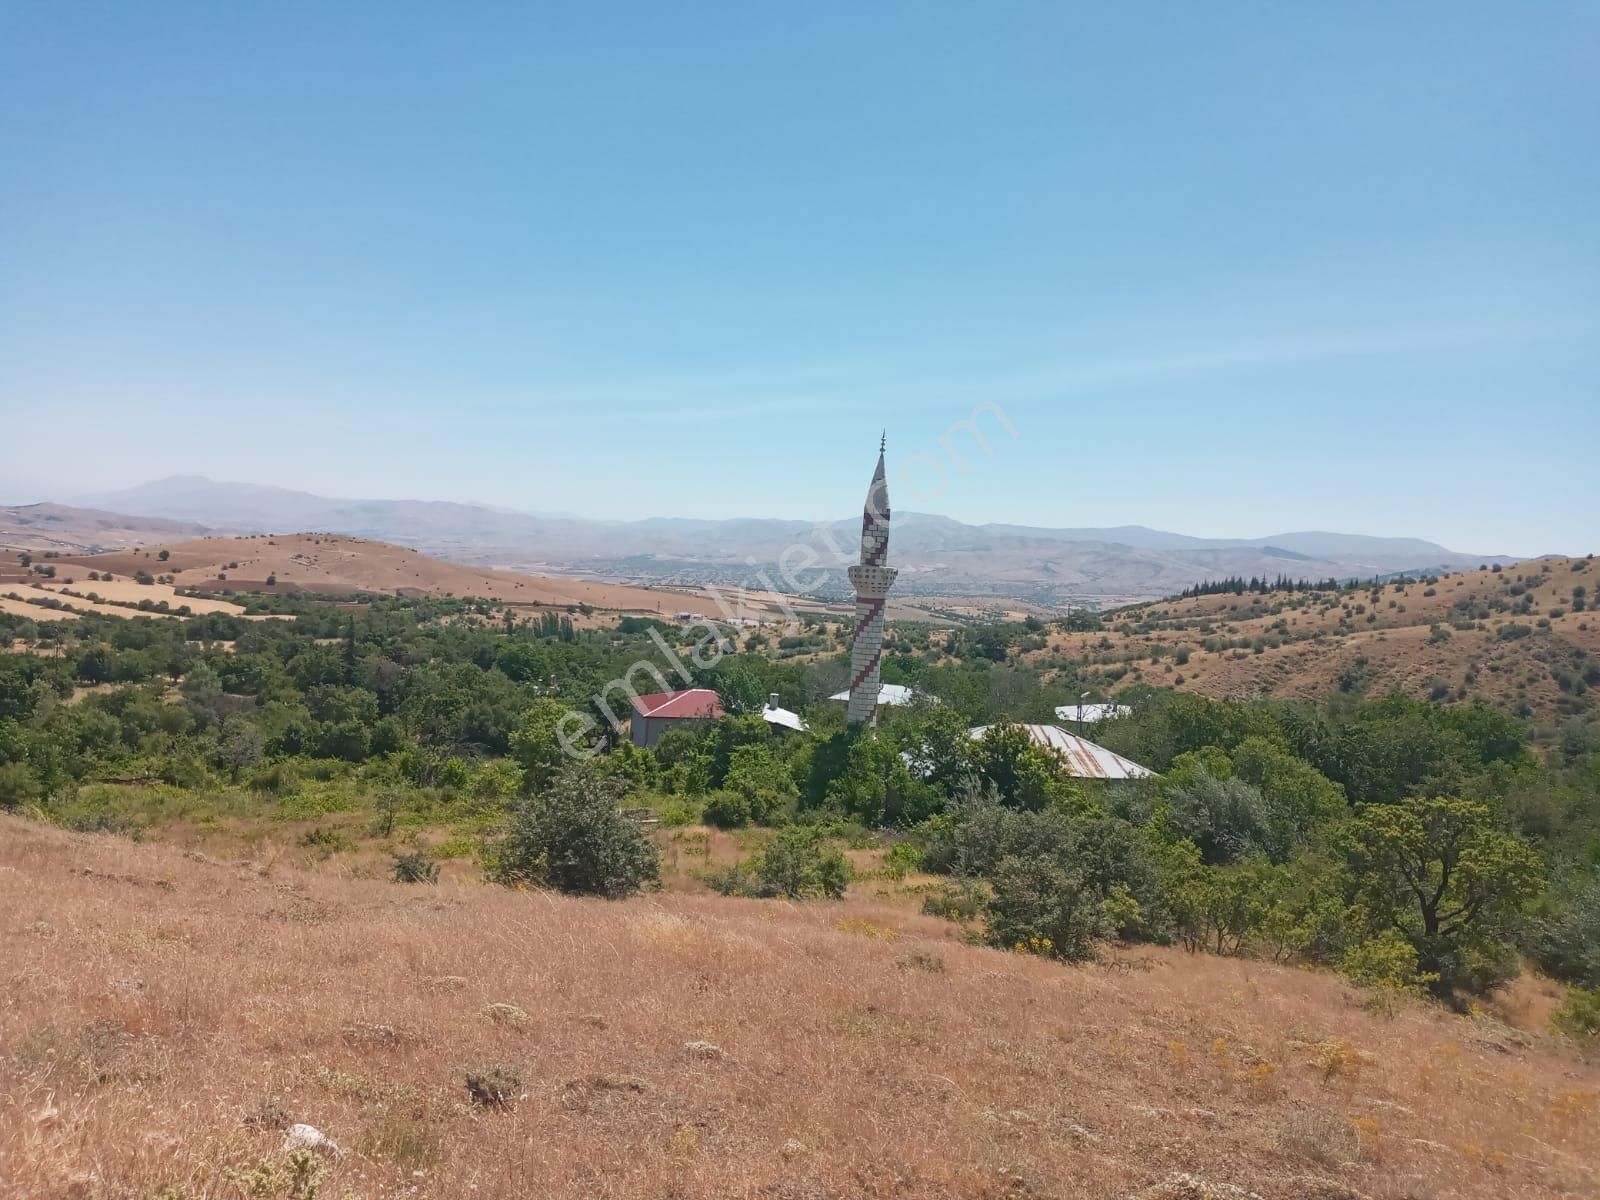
<point x="308" y="1137"/>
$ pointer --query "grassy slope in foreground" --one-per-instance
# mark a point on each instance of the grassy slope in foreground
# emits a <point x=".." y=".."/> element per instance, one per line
<point x="153" y="1000"/>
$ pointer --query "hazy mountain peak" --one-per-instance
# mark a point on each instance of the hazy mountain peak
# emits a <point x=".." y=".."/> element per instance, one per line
<point x="942" y="556"/>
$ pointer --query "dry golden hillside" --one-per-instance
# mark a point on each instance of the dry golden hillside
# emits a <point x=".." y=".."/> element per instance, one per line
<point x="164" y="1015"/>
<point x="1514" y="637"/>
<point x="322" y="562"/>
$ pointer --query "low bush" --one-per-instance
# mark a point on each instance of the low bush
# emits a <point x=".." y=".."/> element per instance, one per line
<point x="902" y="859"/>
<point x="1579" y="1015"/>
<point x="796" y="864"/>
<point x="494" y="1086"/>
<point x="414" y="867"/>
<point x="1040" y="907"/>
<point x="727" y="810"/>
<point x="959" y="900"/>
<point x="574" y="837"/>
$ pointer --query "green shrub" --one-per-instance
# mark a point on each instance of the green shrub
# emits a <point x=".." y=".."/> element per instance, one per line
<point x="18" y="785"/>
<point x="319" y="838"/>
<point x="902" y="859"/>
<point x="1040" y="907"/>
<point x="1387" y="961"/>
<point x="1579" y="1015"/>
<point x="734" y="881"/>
<point x="276" y="779"/>
<point x="959" y="900"/>
<point x="796" y="864"/>
<point x="573" y="836"/>
<point x="1123" y="915"/>
<point x="414" y="868"/>
<point x="677" y="812"/>
<point x="1564" y="939"/>
<point x="727" y="810"/>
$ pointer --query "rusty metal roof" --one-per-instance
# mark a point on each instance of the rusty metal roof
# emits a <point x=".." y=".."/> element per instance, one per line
<point x="1081" y="756"/>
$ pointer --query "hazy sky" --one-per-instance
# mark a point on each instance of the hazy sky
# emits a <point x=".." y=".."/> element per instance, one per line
<point x="1227" y="269"/>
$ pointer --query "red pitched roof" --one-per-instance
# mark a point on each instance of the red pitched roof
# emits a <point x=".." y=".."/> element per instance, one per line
<point x="689" y="702"/>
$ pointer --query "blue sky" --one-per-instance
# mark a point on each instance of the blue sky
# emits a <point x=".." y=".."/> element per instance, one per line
<point x="1228" y="269"/>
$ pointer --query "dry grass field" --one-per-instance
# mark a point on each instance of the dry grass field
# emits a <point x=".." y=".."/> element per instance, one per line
<point x="21" y="608"/>
<point x="1441" y="639"/>
<point x="114" y="598"/>
<point x="164" y="1014"/>
<point x="334" y="563"/>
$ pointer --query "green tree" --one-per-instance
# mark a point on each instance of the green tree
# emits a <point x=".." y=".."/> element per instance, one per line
<point x="202" y="691"/>
<point x="349" y="740"/>
<point x="1023" y="775"/>
<point x="755" y="774"/>
<point x="727" y="736"/>
<point x="874" y="786"/>
<point x="1564" y="938"/>
<point x="18" y="785"/>
<point x="536" y="745"/>
<point x="1302" y="804"/>
<point x="240" y="745"/>
<point x="1443" y="874"/>
<point x="935" y="739"/>
<point x="1224" y="816"/>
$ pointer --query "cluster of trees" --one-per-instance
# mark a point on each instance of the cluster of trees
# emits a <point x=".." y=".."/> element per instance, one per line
<point x="1236" y="585"/>
<point x="1412" y="844"/>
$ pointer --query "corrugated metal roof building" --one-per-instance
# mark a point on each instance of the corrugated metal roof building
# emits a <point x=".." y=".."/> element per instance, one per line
<point x="893" y="694"/>
<point x="1080" y="756"/>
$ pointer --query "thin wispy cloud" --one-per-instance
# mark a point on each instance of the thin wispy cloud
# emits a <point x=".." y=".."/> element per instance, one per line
<point x="907" y="384"/>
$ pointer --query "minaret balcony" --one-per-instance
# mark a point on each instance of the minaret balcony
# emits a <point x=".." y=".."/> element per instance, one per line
<point x="872" y="581"/>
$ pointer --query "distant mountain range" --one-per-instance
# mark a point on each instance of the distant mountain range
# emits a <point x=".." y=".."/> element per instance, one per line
<point x="937" y="556"/>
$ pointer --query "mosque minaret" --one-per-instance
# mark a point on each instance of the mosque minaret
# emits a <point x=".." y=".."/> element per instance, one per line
<point x="872" y="579"/>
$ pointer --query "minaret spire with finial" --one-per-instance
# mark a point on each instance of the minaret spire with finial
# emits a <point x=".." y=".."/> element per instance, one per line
<point x="872" y="578"/>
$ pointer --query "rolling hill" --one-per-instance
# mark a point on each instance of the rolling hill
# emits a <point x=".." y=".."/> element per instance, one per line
<point x="1525" y="637"/>
<point x="938" y="556"/>
<point x="60" y="528"/>
<point x="331" y="563"/>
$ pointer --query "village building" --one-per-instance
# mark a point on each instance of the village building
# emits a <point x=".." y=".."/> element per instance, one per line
<point x="1078" y="755"/>
<point x="891" y="695"/>
<point x="687" y="708"/>
<point x="781" y="720"/>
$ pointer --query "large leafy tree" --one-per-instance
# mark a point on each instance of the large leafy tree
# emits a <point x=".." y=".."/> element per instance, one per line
<point x="764" y="782"/>
<point x="1023" y="775"/>
<point x="1441" y="871"/>
<point x="535" y="743"/>
<point x="874" y="785"/>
